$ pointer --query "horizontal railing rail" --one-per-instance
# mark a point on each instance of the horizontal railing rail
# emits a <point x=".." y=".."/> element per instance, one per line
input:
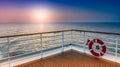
<point x="60" y="31"/>
<point x="32" y="34"/>
<point x="96" y="32"/>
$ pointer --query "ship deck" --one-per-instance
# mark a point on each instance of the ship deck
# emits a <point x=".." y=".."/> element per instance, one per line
<point x="70" y="58"/>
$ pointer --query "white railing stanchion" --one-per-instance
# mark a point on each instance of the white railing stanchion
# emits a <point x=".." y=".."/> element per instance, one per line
<point x="71" y="40"/>
<point x="84" y="47"/>
<point x="41" y="45"/>
<point x="8" y="49"/>
<point x="62" y="41"/>
<point x="116" y="47"/>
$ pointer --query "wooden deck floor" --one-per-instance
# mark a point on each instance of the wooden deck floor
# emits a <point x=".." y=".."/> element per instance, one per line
<point x="70" y="59"/>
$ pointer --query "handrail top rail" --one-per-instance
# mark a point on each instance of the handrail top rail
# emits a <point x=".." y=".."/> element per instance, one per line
<point x="33" y="33"/>
<point x="97" y="32"/>
<point x="60" y="31"/>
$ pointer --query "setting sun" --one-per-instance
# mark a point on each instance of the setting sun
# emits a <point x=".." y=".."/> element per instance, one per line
<point x="41" y="14"/>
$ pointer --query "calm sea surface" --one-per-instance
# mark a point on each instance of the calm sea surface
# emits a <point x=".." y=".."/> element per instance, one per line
<point x="11" y="29"/>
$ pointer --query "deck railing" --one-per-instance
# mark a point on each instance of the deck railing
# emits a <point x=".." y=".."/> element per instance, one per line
<point x="15" y="46"/>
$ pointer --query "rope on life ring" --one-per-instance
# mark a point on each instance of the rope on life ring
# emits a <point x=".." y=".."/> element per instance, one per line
<point x="90" y="43"/>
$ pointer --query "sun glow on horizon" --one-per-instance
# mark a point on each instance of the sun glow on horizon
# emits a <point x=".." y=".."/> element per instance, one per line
<point x="41" y="15"/>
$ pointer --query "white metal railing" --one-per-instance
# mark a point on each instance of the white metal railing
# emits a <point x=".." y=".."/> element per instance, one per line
<point x="15" y="46"/>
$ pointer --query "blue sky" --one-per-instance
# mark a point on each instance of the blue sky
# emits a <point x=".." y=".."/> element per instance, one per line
<point x="84" y="10"/>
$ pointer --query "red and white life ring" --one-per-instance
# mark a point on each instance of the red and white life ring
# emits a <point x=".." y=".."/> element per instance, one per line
<point x="90" y="43"/>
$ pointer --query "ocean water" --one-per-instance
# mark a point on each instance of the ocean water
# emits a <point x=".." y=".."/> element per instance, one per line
<point x="12" y="29"/>
<point x="18" y="46"/>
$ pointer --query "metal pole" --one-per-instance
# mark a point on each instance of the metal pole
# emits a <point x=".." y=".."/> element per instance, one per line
<point x="116" y="47"/>
<point x="84" y="42"/>
<point x="62" y="41"/>
<point x="8" y="46"/>
<point x="71" y="39"/>
<point x="41" y="45"/>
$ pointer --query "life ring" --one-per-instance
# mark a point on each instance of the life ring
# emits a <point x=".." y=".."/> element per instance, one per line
<point x="90" y="43"/>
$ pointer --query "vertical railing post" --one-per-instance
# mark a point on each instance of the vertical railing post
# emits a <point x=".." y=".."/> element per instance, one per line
<point x="84" y="47"/>
<point x="62" y="41"/>
<point x="71" y="38"/>
<point x="41" y="45"/>
<point x="8" y="49"/>
<point x="116" y="47"/>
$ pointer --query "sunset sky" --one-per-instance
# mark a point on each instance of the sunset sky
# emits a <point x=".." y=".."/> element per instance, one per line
<point x="22" y="11"/>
